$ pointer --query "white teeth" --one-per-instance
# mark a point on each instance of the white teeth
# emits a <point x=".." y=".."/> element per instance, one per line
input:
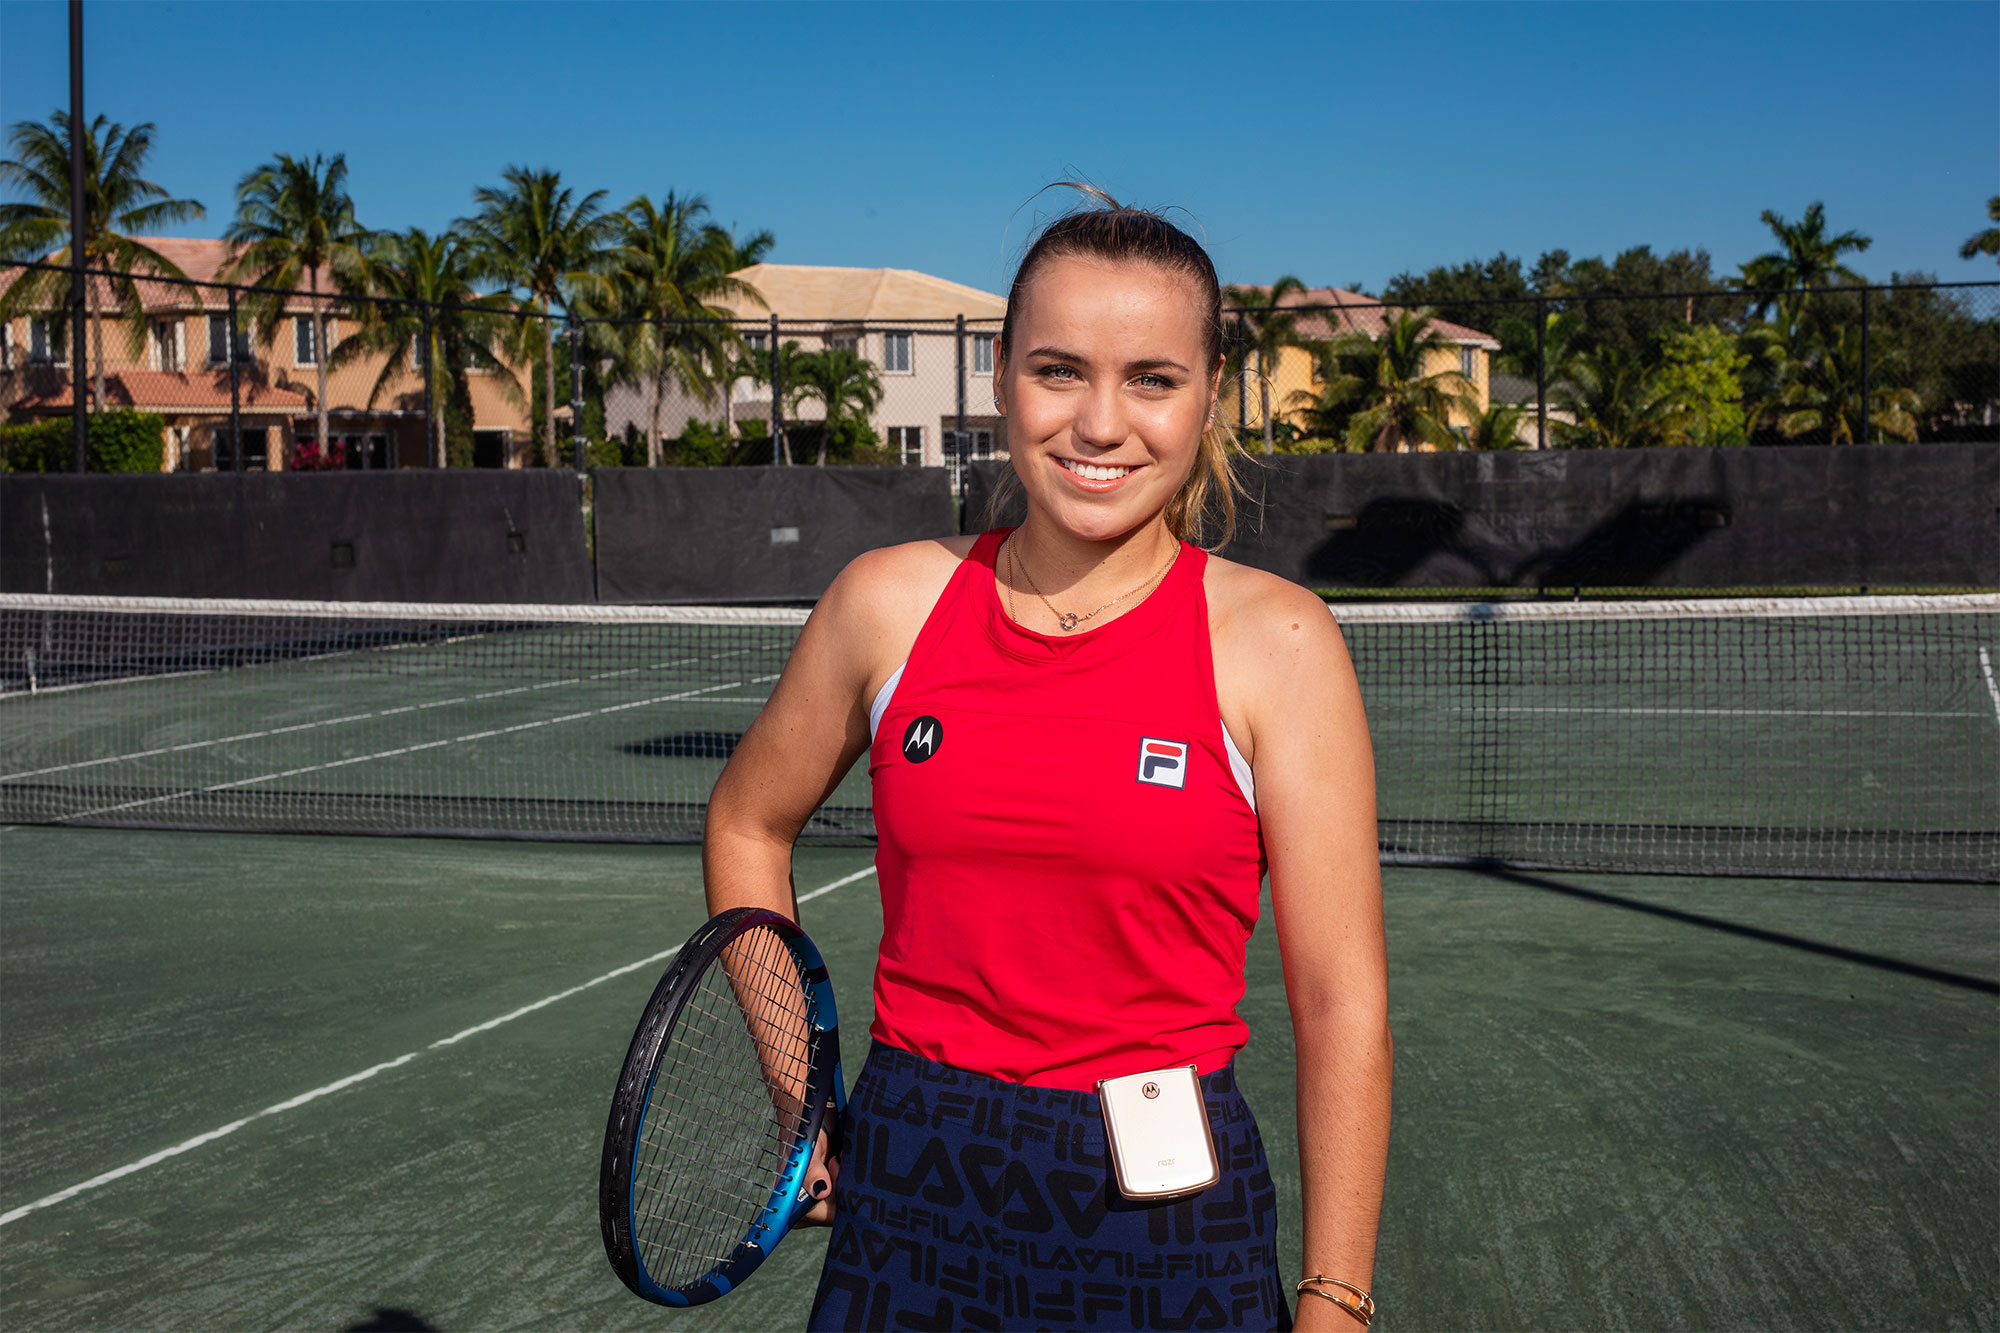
<point x="1093" y="471"/>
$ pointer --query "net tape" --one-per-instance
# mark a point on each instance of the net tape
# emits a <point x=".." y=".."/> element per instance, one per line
<point x="1826" y="736"/>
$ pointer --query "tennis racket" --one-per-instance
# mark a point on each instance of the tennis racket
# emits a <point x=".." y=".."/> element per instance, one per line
<point x="729" y="1080"/>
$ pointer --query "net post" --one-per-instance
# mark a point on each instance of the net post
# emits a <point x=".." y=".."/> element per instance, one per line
<point x="777" y="406"/>
<point x="235" y="392"/>
<point x="433" y="437"/>
<point x="78" y="342"/>
<point x="1862" y="436"/>
<point x="1541" y="374"/>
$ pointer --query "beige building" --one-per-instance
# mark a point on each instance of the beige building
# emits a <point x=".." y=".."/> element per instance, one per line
<point x="1334" y="312"/>
<point x="906" y="324"/>
<point x="182" y="369"/>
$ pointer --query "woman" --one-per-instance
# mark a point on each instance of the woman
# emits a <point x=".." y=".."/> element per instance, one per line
<point x="1088" y="739"/>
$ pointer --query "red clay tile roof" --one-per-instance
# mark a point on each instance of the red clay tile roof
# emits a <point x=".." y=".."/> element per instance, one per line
<point x="167" y="391"/>
<point x="1352" y="312"/>
<point x="201" y="260"/>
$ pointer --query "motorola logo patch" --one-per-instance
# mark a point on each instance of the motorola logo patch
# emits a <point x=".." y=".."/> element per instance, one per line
<point x="921" y="739"/>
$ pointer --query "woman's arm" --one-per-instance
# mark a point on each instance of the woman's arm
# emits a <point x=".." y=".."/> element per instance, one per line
<point x="1295" y="691"/>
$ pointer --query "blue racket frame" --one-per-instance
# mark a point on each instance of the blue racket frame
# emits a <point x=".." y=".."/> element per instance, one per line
<point x="826" y="1092"/>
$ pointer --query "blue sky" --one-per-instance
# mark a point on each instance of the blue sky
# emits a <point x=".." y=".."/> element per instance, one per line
<point x="1339" y="142"/>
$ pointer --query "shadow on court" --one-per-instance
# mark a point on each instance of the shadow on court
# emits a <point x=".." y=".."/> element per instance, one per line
<point x="1622" y="1102"/>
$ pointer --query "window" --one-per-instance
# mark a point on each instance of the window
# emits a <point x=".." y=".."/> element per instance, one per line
<point x="305" y="348"/>
<point x="896" y="353"/>
<point x="1468" y="363"/>
<point x="908" y="442"/>
<point x="218" y="341"/>
<point x="843" y="342"/>
<point x="46" y="343"/>
<point x="982" y="354"/>
<point x="6" y="344"/>
<point x="756" y="342"/>
<point x="165" y="336"/>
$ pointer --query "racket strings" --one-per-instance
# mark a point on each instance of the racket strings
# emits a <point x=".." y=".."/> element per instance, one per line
<point x="725" y="1112"/>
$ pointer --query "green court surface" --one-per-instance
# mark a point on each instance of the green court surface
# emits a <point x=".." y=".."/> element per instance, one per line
<point x="1622" y="1102"/>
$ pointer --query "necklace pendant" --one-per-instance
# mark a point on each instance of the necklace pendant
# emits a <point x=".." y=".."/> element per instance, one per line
<point x="1068" y="620"/>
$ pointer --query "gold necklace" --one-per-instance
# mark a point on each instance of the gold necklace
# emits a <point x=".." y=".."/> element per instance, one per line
<point x="1070" y="620"/>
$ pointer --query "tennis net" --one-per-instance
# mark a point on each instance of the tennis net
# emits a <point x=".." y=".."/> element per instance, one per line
<point x="1814" y="736"/>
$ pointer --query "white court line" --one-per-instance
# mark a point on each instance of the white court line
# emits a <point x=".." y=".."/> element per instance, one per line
<point x="1992" y="687"/>
<point x="362" y="717"/>
<point x="1713" y="712"/>
<point x="413" y="749"/>
<point x="290" y="1103"/>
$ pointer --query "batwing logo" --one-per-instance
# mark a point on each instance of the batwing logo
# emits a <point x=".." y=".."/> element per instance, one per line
<point x="1161" y="763"/>
<point x="921" y="739"/>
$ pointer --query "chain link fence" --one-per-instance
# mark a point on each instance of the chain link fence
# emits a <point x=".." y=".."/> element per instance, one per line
<point x="245" y="378"/>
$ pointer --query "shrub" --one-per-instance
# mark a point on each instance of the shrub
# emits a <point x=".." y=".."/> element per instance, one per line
<point x="119" y="442"/>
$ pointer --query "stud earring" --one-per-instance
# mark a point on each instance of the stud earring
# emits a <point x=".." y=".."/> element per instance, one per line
<point x="997" y="407"/>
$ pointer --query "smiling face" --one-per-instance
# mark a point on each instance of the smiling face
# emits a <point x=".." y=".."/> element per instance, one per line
<point x="1107" y="390"/>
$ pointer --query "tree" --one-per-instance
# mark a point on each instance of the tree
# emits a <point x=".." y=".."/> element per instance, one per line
<point x="415" y="270"/>
<point x="1807" y="257"/>
<point x="1617" y="404"/>
<point x="1271" y="330"/>
<point x="1498" y="427"/>
<point x="846" y="386"/>
<point x="1698" y="380"/>
<point x="540" y="237"/>
<point x="1466" y="293"/>
<point x="118" y="204"/>
<point x="1379" y="394"/>
<point x="731" y="363"/>
<point x="1821" y="396"/>
<point x="295" y="227"/>
<point x="672" y="270"/>
<point x="1985" y="242"/>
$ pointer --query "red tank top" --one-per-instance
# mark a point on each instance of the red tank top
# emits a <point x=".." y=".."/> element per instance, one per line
<point x="1069" y="867"/>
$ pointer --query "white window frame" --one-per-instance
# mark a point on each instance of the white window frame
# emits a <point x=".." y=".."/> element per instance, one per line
<point x="757" y="342"/>
<point x="1468" y="363"/>
<point x="42" y="349"/>
<point x="304" y="330"/>
<point x="165" y="337"/>
<point x="6" y="344"/>
<point x="220" y="324"/>
<point x="982" y="353"/>
<point x="891" y="339"/>
<point x="850" y="340"/>
<point x="908" y="442"/>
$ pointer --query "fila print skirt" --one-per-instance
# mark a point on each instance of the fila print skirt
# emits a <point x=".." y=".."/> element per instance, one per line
<point x="968" y="1202"/>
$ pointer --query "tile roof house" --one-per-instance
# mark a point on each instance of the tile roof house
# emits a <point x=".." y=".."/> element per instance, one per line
<point x="1329" y="312"/>
<point x="903" y="322"/>
<point x="181" y="371"/>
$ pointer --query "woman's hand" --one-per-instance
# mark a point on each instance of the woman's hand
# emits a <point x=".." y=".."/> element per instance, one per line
<point x="821" y="1178"/>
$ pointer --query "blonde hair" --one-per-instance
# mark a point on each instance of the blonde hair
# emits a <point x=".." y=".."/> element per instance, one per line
<point x="1205" y="504"/>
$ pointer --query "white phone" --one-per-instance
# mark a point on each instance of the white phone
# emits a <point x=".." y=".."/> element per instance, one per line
<point x="1156" y="1126"/>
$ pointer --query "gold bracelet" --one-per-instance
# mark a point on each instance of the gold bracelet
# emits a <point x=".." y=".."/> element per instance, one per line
<point x="1364" y="1316"/>
<point x="1364" y="1312"/>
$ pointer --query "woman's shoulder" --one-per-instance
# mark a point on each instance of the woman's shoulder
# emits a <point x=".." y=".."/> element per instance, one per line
<point x="880" y="601"/>
<point x="1251" y="611"/>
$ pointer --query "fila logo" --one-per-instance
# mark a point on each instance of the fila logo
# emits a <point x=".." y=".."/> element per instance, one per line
<point x="1163" y="763"/>
<point x="921" y="739"/>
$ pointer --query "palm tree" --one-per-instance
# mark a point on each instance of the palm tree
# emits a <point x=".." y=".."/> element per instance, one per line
<point x="412" y="270"/>
<point x="734" y="363"/>
<point x="1498" y="427"/>
<point x="1379" y="394"/>
<point x="1616" y="403"/>
<point x="672" y="269"/>
<point x="539" y="236"/>
<point x="1821" y="395"/>
<point x="295" y="227"/>
<point x="1807" y="257"/>
<point x="1985" y="242"/>
<point x="118" y="203"/>
<point x="1271" y="330"/>
<point x="837" y="379"/>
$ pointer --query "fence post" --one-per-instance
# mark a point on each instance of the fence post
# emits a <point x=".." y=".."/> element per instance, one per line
<point x="79" y="342"/>
<point x="433" y="445"/>
<point x="576" y="394"/>
<point x="1541" y="375"/>
<point x="1862" y="437"/>
<point x="960" y="441"/>
<point x="235" y="392"/>
<point x="777" y="407"/>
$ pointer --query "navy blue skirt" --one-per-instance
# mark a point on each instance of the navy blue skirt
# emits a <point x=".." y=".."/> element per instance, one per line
<point x="966" y="1201"/>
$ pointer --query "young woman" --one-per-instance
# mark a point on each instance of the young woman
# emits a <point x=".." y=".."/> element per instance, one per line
<point x="1089" y="739"/>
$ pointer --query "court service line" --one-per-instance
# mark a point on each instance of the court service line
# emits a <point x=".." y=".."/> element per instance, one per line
<point x="291" y="1103"/>
<point x="400" y="750"/>
<point x="1992" y="686"/>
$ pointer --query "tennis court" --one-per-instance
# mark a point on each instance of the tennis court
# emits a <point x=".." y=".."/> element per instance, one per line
<point x="1622" y="1101"/>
